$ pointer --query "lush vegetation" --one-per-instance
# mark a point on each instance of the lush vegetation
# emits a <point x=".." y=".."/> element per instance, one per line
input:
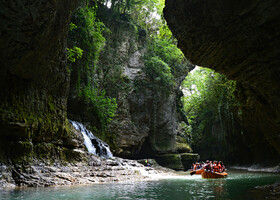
<point x="86" y="41"/>
<point x="99" y="80"/>
<point x="163" y="59"/>
<point x="210" y="105"/>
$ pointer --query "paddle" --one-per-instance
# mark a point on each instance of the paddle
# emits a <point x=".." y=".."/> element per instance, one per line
<point x="192" y="173"/>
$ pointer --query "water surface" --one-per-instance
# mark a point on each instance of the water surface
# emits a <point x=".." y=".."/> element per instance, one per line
<point x="238" y="185"/>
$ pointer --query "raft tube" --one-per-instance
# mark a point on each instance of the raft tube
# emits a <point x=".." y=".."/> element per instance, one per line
<point x="198" y="171"/>
<point x="208" y="174"/>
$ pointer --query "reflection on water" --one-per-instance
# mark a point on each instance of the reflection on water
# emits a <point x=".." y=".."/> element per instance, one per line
<point x="237" y="186"/>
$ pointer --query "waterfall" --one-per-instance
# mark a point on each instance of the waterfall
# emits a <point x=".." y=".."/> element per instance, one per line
<point x="93" y="143"/>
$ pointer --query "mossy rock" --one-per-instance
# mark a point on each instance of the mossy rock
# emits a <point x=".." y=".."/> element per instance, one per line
<point x="20" y="151"/>
<point x="183" y="148"/>
<point x="172" y="161"/>
<point x="188" y="158"/>
<point x="43" y="151"/>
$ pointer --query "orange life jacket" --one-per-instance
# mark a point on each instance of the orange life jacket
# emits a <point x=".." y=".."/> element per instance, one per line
<point x="215" y="168"/>
<point x="219" y="165"/>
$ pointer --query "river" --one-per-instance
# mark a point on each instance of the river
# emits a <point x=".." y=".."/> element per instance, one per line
<point x="238" y="185"/>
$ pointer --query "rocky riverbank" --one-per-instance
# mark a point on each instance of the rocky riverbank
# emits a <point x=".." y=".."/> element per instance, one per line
<point x="266" y="192"/>
<point x="270" y="191"/>
<point x="96" y="171"/>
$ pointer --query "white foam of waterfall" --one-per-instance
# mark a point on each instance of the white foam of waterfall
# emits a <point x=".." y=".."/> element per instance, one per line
<point x="94" y="144"/>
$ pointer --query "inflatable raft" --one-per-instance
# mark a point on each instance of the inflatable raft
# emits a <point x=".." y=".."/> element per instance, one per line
<point x="208" y="174"/>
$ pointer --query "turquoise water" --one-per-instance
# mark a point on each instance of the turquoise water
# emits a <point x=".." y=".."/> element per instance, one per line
<point x="238" y="185"/>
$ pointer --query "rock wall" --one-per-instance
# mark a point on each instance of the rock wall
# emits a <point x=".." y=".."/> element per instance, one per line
<point x="241" y="40"/>
<point x="145" y="124"/>
<point x="33" y="76"/>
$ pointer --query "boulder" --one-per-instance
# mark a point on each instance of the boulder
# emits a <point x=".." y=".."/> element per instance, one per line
<point x="172" y="161"/>
<point x="188" y="158"/>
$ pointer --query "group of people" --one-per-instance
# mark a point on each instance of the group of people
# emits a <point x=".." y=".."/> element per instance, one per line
<point x="215" y="166"/>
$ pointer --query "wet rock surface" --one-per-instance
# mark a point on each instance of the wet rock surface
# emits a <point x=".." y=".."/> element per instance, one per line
<point x="34" y="79"/>
<point x="270" y="191"/>
<point x="95" y="171"/>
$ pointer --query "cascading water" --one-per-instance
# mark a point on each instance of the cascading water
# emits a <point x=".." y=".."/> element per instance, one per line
<point x="93" y="143"/>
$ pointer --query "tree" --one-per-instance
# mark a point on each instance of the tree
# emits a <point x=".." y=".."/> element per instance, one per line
<point x="209" y="103"/>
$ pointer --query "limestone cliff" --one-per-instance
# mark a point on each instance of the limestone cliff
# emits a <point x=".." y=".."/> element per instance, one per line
<point x="35" y="82"/>
<point x="147" y="119"/>
<point x="33" y="77"/>
<point x="146" y="122"/>
<point x="241" y="40"/>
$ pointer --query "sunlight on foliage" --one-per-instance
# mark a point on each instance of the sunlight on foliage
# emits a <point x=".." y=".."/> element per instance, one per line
<point x="104" y="107"/>
<point x="208" y="98"/>
<point x="74" y="53"/>
<point x="86" y="31"/>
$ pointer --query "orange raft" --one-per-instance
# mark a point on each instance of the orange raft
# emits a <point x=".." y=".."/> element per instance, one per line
<point x="198" y="171"/>
<point x="206" y="174"/>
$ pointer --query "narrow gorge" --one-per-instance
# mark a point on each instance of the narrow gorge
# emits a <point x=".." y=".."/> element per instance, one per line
<point x="71" y="65"/>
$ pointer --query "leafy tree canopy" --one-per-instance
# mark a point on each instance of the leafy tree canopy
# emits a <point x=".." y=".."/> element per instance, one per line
<point x="209" y="103"/>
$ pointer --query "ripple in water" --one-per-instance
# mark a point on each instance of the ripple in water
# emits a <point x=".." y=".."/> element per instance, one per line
<point x="236" y="186"/>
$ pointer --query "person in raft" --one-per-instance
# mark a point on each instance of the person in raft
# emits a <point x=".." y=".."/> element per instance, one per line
<point x="215" y="166"/>
<point x="208" y="166"/>
<point x="221" y="167"/>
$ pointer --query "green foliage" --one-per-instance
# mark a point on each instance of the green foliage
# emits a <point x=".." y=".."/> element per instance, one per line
<point x="209" y="99"/>
<point x="206" y="89"/>
<point x="146" y="13"/>
<point x="186" y="130"/>
<point x="86" y="32"/>
<point x="165" y="33"/>
<point x="72" y="26"/>
<point x="99" y="104"/>
<point x="163" y="61"/>
<point x="160" y="74"/>
<point x="169" y="53"/>
<point x="74" y="53"/>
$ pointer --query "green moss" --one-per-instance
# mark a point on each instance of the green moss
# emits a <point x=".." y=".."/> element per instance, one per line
<point x="20" y="151"/>
<point x="43" y="151"/>
<point x="51" y="104"/>
<point x="52" y="153"/>
<point x="183" y="148"/>
<point x="172" y="161"/>
<point x="35" y="117"/>
<point x="188" y="158"/>
<point x="42" y="118"/>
